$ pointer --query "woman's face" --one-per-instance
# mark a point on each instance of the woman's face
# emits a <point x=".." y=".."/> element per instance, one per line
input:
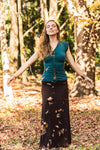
<point x="51" y="28"/>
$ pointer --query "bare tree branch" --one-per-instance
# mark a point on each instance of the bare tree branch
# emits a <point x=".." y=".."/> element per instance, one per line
<point x="31" y="28"/>
<point x="53" y="9"/>
<point x="61" y="10"/>
<point x="44" y="11"/>
<point x="63" y="24"/>
<point x="62" y="33"/>
<point x="71" y="8"/>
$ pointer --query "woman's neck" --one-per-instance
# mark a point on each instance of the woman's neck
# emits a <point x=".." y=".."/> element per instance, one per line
<point x="53" y="39"/>
<point x="53" y="42"/>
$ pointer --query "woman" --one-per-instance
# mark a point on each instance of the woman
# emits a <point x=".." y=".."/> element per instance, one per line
<point x="55" y="120"/>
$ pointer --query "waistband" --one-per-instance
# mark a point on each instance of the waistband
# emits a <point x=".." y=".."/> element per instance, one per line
<point x="54" y="83"/>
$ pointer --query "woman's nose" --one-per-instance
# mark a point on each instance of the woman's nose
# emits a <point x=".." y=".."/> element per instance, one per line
<point x="51" y="27"/>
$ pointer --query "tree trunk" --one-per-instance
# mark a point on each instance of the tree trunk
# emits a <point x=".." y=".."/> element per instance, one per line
<point x="85" y="58"/>
<point x="52" y="13"/>
<point x="86" y="38"/>
<point x="53" y="9"/>
<point x="44" y="11"/>
<point x="24" y="75"/>
<point x="13" y="56"/>
<point x="5" y="62"/>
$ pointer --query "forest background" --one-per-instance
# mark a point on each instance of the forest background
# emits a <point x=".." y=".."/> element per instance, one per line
<point x="20" y="28"/>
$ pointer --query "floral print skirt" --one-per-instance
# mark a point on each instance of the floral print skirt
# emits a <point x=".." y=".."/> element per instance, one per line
<point x="55" y="120"/>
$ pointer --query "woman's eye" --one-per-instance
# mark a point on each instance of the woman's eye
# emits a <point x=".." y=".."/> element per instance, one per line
<point x="53" y="26"/>
<point x="48" y="26"/>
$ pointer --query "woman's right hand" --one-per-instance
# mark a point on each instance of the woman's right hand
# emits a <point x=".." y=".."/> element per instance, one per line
<point x="10" y="80"/>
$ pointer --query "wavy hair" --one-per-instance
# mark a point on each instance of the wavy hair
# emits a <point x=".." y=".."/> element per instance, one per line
<point x="44" y="47"/>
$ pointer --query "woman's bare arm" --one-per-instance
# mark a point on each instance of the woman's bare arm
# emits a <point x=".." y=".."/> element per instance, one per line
<point x="73" y="64"/>
<point x="77" y="69"/>
<point x="29" y="62"/>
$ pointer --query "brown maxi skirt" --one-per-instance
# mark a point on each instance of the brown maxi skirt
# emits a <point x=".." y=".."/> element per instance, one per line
<point x="55" y="120"/>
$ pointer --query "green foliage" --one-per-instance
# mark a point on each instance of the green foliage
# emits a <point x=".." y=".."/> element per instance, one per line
<point x="7" y="21"/>
<point x="68" y="32"/>
<point x="97" y="57"/>
<point x="95" y="6"/>
<point x="0" y="62"/>
<point x="31" y="16"/>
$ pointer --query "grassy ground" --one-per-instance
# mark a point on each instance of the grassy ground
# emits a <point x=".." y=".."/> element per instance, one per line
<point x="20" y="119"/>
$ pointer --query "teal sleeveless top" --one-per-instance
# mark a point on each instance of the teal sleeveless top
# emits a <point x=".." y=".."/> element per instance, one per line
<point x="54" y="64"/>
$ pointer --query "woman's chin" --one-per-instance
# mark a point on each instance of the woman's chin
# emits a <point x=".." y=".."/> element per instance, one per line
<point x="52" y="34"/>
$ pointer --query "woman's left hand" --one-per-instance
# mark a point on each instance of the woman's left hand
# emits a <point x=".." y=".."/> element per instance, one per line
<point x="89" y="82"/>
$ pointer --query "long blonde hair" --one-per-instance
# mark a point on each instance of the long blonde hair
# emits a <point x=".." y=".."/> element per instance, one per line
<point x="44" y="47"/>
